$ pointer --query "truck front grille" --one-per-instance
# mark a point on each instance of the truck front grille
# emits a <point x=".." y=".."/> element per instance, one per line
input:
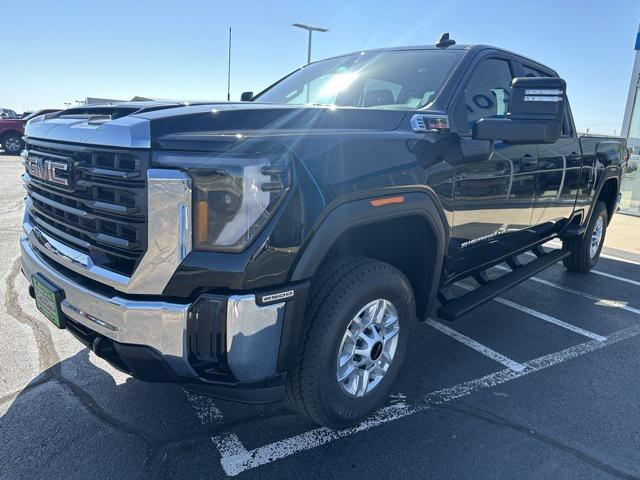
<point x="97" y="204"/>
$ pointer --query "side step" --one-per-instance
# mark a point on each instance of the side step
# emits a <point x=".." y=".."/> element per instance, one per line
<point x="457" y="307"/>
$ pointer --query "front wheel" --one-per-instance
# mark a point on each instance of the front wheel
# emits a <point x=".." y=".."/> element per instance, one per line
<point x="585" y="250"/>
<point x="12" y="144"/>
<point x="359" y="323"/>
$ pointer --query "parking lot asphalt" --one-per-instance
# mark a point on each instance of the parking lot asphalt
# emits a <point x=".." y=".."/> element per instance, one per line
<point x="539" y="383"/>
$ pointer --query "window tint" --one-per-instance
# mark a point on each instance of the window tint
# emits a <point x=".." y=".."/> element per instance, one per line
<point x="377" y="90"/>
<point x="486" y="93"/>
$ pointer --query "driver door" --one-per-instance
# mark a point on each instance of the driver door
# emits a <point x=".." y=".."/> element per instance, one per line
<point x="493" y="197"/>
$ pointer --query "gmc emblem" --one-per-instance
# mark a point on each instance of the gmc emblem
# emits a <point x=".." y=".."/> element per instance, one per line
<point x="48" y="170"/>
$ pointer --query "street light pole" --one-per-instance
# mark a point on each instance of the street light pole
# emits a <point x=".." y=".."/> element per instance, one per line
<point x="229" y="70"/>
<point x="309" y="29"/>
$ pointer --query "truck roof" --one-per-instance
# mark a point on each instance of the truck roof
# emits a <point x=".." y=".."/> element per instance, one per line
<point x="464" y="47"/>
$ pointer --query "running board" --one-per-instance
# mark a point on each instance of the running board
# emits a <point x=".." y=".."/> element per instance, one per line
<point x="456" y="307"/>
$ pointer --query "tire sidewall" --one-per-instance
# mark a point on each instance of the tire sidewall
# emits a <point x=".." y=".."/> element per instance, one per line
<point x="4" y="143"/>
<point x="386" y="286"/>
<point x="600" y="212"/>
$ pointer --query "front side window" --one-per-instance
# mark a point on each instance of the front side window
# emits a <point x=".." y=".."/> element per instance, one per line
<point x="486" y="93"/>
<point x="406" y="79"/>
<point x="532" y="72"/>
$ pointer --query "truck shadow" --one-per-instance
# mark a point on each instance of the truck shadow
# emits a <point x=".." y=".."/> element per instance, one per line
<point x="77" y="406"/>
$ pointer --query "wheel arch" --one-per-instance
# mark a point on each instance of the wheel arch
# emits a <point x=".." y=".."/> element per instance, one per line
<point x="6" y="133"/>
<point x="412" y="235"/>
<point x="609" y="194"/>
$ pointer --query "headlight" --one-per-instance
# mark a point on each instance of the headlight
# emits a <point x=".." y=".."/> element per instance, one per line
<point x="232" y="197"/>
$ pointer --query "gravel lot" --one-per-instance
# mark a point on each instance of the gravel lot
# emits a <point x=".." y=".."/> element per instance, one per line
<point x="540" y="383"/>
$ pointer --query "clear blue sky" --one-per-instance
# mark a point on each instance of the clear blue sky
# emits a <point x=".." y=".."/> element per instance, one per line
<point x="67" y="50"/>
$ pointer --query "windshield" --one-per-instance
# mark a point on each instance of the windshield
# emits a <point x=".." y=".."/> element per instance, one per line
<point x="393" y="80"/>
<point x="36" y="114"/>
<point x="6" y="113"/>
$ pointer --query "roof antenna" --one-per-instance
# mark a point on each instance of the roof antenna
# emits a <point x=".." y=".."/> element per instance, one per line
<point x="445" y="41"/>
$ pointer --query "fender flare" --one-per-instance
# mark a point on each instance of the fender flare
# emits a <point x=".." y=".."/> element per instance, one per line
<point x="608" y="175"/>
<point x="357" y="213"/>
<point x="6" y="133"/>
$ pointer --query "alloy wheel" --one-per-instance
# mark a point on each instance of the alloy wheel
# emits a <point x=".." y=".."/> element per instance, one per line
<point x="368" y="348"/>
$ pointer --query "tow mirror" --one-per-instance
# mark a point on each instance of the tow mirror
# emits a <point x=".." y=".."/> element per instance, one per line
<point x="535" y="113"/>
<point x="246" y="96"/>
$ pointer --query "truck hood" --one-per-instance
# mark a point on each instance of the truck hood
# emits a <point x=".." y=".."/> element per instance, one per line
<point x="180" y="126"/>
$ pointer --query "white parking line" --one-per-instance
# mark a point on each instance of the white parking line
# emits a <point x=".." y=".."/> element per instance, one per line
<point x="619" y="259"/>
<point x="604" y="274"/>
<point x="544" y="316"/>
<point x="478" y="347"/>
<point x="550" y="319"/>
<point x="598" y="300"/>
<point x="204" y="408"/>
<point x="235" y="458"/>
<point x="616" y="277"/>
<point x="558" y="244"/>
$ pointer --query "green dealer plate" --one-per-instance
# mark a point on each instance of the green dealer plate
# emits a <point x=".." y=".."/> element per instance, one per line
<point x="48" y="298"/>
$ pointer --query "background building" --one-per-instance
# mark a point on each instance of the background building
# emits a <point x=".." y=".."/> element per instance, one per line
<point x="99" y="101"/>
<point x="630" y="202"/>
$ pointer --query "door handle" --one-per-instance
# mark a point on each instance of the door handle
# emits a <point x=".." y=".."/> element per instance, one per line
<point x="528" y="160"/>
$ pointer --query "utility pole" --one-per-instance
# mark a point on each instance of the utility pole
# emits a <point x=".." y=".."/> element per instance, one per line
<point x="229" y="70"/>
<point x="309" y="29"/>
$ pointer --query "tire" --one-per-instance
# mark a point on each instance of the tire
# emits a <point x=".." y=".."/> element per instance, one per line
<point x="12" y="144"/>
<point x="583" y="258"/>
<point x="343" y="290"/>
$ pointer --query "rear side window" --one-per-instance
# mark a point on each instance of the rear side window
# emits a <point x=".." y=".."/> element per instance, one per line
<point x="486" y="93"/>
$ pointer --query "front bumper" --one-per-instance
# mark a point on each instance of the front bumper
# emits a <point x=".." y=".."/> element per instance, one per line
<point x="157" y="340"/>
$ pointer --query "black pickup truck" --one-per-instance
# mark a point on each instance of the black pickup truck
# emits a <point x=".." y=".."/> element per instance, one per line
<point x="287" y="245"/>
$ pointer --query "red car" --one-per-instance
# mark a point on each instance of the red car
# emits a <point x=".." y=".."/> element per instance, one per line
<point x="12" y="130"/>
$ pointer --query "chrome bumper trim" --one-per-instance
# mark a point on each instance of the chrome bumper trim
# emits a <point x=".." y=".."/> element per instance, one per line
<point x="253" y="331"/>
<point x="253" y="337"/>
<point x="168" y="238"/>
<point x="74" y="312"/>
<point x="156" y="324"/>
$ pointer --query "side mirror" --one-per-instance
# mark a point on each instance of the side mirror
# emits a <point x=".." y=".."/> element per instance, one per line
<point x="535" y="115"/>
<point x="246" y="96"/>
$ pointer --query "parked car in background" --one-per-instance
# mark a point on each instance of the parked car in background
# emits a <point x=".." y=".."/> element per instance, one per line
<point x="7" y="113"/>
<point x="12" y="129"/>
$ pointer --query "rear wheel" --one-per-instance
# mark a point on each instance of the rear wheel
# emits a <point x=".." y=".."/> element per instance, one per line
<point x="12" y="144"/>
<point x="359" y="323"/>
<point x="585" y="250"/>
